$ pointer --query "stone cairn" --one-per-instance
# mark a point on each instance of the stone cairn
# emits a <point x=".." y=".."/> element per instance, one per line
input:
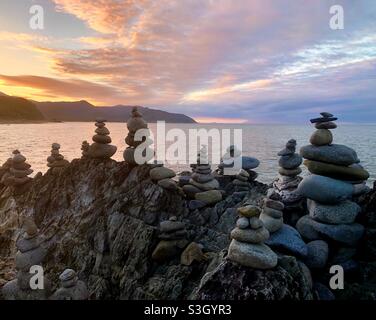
<point x="19" y="171"/>
<point x="85" y="147"/>
<point x="30" y="253"/>
<point x="71" y="287"/>
<point x="272" y="215"/>
<point x="202" y="185"/>
<point x="233" y="156"/>
<point x="241" y="181"/>
<point x="101" y="148"/>
<point x="173" y="239"/>
<point x="5" y="171"/>
<point x="336" y="177"/>
<point x="56" y="160"/>
<point x="289" y="171"/>
<point x="135" y="123"/>
<point x="247" y="247"/>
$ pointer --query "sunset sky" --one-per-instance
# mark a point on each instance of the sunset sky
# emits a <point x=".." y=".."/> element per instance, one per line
<point x="215" y="60"/>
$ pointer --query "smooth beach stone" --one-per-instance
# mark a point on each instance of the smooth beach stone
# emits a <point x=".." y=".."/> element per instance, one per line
<point x="102" y="139"/>
<point x="318" y="252"/>
<point x="213" y="184"/>
<point x="136" y="123"/>
<point x="21" y="166"/>
<point x="259" y="235"/>
<point x="289" y="172"/>
<point x="272" y="224"/>
<point x="326" y="114"/>
<point x="102" y="151"/>
<point x="196" y="204"/>
<point x="243" y="173"/>
<point x="288" y="239"/>
<point x="335" y="154"/>
<point x="237" y="182"/>
<point x="171" y="226"/>
<point x="255" y="223"/>
<point x="175" y="235"/>
<point x="276" y="214"/>
<point x="24" y="245"/>
<point x="18" y="158"/>
<point x="67" y="274"/>
<point x="290" y="162"/>
<point x="321" y="137"/>
<point x="249" y="211"/>
<point x="277" y="205"/>
<point x="193" y="252"/>
<point x="250" y="163"/>
<point x="325" y="190"/>
<point x="360" y="188"/>
<point x="209" y="197"/>
<point x="335" y="171"/>
<point x="242" y="223"/>
<point x="168" y="184"/>
<point x="258" y="256"/>
<point x="167" y="249"/>
<point x="20" y="181"/>
<point x="343" y="213"/>
<point x="286" y="152"/>
<point x="102" y="131"/>
<point x="242" y="178"/>
<point x="25" y="260"/>
<point x="77" y="292"/>
<point x="190" y="190"/>
<point x="202" y="178"/>
<point x="161" y="173"/>
<point x="325" y="125"/>
<point x="21" y="173"/>
<point x="348" y="234"/>
<point x="59" y="164"/>
<point x="323" y="119"/>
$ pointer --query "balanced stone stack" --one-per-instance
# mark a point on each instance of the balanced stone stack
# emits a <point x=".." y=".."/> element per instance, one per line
<point x="5" y="171"/>
<point x="247" y="247"/>
<point x="101" y="148"/>
<point x="272" y="215"/>
<point x="85" y="147"/>
<point x="233" y="158"/>
<point x="56" y="160"/>
<point x="202" y="185"/>
<point x="135" y="123"/>
<point x="241" y="181"/>
<point x="71" y="288"/>
<point x="173" y="239"/>
<point x="289" y="171"/>
<point x="30" y="253"/>
<point x="19" y="171"/>
<point x="336" y="177"/>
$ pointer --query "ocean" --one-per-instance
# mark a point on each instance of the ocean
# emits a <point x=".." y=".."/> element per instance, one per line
<point x="260" y="141"/>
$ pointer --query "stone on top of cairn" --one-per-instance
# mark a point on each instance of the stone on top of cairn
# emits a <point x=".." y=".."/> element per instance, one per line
<point x="101" y="148"/>
<point x="289" y="171"/>
<point x="56" y="160"/>
<point x="202" y="185"/>
<point x="247" y="247"/>
<point x="336" y="177"/>
<point x="135" y="123"/>
<point x="71" y="288"/>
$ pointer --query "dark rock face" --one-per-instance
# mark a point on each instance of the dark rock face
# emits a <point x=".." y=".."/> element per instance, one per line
<point x="232" y="281"/>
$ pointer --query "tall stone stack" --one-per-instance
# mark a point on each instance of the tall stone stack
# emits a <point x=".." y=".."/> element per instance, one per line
<point x="30" y="253"/>
<point x="202" y="185"/>
<point x="173" y="239"/>
<point x="56" y="160"/>
<point x="135" y="123"/>
<point x="336" y="177"/>
<point x="272" y="215"/>
<point x="247" y="247"/>
<point x="20" y="170"/>
<point x="101" y="148"/>
<point x="289" y="171"/>
<point x="71" y="287"/>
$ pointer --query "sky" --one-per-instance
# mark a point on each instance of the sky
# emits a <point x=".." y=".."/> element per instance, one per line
<point x="235" y="61"/>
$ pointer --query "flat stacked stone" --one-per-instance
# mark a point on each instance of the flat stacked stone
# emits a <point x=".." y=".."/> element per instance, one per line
<point x="163" y="176"/>
<point x="101" y="148"/>
<point x="30" y="253"/>
<point x="19" y="171"/>
<point x="232" y="157"/>
<point x="202" y="185"/>
<point x="134" y="124"/>
<point x="335" y="177"/>
<point x="272" y="215"/>
<point x="289" y="171"/>
<point x="56" y="160"/>
<point x="71" y="287"/>
<point x="247" y="246"/>
<point x="173" y="239"/>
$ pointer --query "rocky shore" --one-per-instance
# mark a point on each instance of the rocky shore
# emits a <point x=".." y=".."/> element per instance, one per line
<point x="103" y="229"/>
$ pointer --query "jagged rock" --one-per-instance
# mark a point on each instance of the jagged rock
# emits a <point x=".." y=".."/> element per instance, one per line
<point x="193" y="252"/>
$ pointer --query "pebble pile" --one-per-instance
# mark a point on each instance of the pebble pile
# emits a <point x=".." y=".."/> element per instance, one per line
<point x="30" y="253"/>
<point x="202" y="185"/>
<point x="56" y="160"/>
<point x="289" y="171"/>
<point x="135" y="123"/>
<point x="335" y="177"/>
<point x="101" y="148"/>
<point x="71" y="288"/>
<point x="247" y="246"/>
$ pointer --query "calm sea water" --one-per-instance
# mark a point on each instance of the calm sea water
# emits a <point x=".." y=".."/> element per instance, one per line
<point x="260" y="141"/>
